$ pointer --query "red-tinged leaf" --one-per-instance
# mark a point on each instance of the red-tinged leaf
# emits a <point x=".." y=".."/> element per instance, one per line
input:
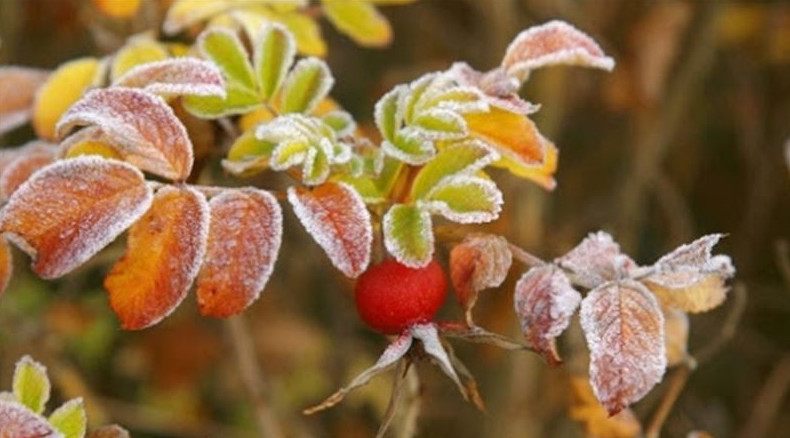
<point x="596" y="260"/>
<point x="18" y="87"/>
<point x="6" y="264"/>
<point x="176" y="77"/>
<point x="513" y="135"/>
<point x="553" y="43"/>
<point x="545" y="301"/>
<point x="243" y="242"/>
<point x="147" y="129"/>
<point x="336" y="216"/>
<point x="624" y="327"/>
<point x="20" y="170"/>
<point x="165" y="249"/>
<point x="70" y="210"/>
<point x="17" y="421"/>
<point x="480" y="262"/>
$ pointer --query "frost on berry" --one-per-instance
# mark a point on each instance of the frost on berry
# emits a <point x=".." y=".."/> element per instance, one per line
<point x="545" y="301"/>
<point x="336" y="216"/>
<point x="480" y="262"/>
<point x="16" y="421"/>
<point x="432" y="345"/>
<point x="624" y="327"/>
<point x="146" y="129"/>
<point x="68" y="211"/>
<point x="176" y="77"/>
<point x="165" y="250"/>
<point x="244" y="239"/>
<point x="597" y="259"/>
<point x="553" y="43"/>
<point x="18" y="86"/>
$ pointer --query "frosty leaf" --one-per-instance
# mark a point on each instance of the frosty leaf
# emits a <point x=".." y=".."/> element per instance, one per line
<point x="243" y="243"/>
<point x="90" y="141"/>
<point x="597" y="259"/>
<point x="596" y="421"/>
<point x="497" y="88"/>
<point x="137" y="51"/>
<point x="460" y="100"/>
<point x="440" y="124"/>
<point x="151" y="136"/>
<point x="165" y="250"/>
<point x="542" y="173"/>
<point x="429" y="336"/>
<point x="31" y="384"/>
<point x="238" y="100"/>
<point x="6" y="264"/>
<point x="624" y="328"/>
<point x="676" y="328"/>
<point x="20" y="170"/>
<point x="307" y="84"/>
<point x="248" y="155"/>
<point x="545" y="301"/>
<point x="71" y="209"/>
<point x="336" y="216"/>
<point x="360" y="20"/>
<point x="224" y="49"/>
<point x="394" y="352"/>
<point x="416" y="89"/>
<point x="19" y="422"/>
<point x="408" y="235"/>
<point x="175" y="77"/>
<point x="274" y="52"/>
<point x="341" y="122"/>
<point x="410" y="147"/>
<point x="388" y="119"/>
<point x="513" y="135"/>
<point x="70" y="419"/>
<point x="18" y="86"/>
<point x="480" y="262"/>
<point x="705" y="293"/>
<point x="465" y="199"/>
<point x="63" y="87"/>
<point x="466" y="157"/>
<point x="553" y="43"/>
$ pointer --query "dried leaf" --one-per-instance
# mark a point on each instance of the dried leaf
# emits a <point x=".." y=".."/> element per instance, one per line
<point x="20" y="170"/>
<point x="147" y="129"/>
<point x="19" y="422"/>
<point x="480" y="262"/>
<point x="624" y="327"/>
<point x="361" y="21"/>
<point x="71" y="209"/>
<point x="18" y="86"/>
<point x="70" y="419"/>
<point x="165" y="250"/>
<point x="704" y="294"/>
<point x="465" y="199"/>
<point x="176" y="77"/>
<point x="408" y="235"/>
<point x="63" y="87"/>
<point x="553" y="43"/>
<point x="31" y="384"/>
<point x="336" y="216"/>
<point x="676" y="327"/>
<point x="597" y="422"/>
<point x="243" y="243"/>
<point x="596" y="260"/>
<point x="307" y="84"/>
<point x="429" y="336"/>
<point x="545" y="301"/>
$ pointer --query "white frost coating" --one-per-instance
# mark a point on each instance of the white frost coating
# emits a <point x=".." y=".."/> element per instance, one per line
<point x="482" y="189"/>
<point x="314" y="170"/>
<point x="21" y="382"/>
<point x="239" y="51"/>
<point x="553" y="43"/>
<point x="320" y="91"/>
<point x="624" y="328"/>
<point x="500" y="90"/>
<point x="388" y="113"/>
<point x="153" y="138"/>
<point x="20" y="169"/>
<point x="596" y="260"/>
<point x="339" y="222"/>
<point x="491" y="261"/>
<point x="55" y="192"/>
<point x="425" y="148"/>
<point x="429" y="336"/>
<point x="19" y="422"/>
<point x="461" y="99"/>
<point x="408" y="99"/>
<point x="176" y="77"/>
<point x="400" y="249"/>
<point x="286" y="58"/>
<point x="440" y="124"/>
<point x="691" y="263"/>
<point x="545" y="301"/>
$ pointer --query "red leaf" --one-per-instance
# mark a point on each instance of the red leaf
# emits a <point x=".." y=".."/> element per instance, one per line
<point x="596" y="260"/>
<point x="335" y="215"/>
<point x="624" y="327"/>
<point x="243" y="242"/>
<point x="18" y="87"/>
<point x="17" y="421"/>
<point x="545" y="302"/>
<point x="480" y="262"/>
<point x="176" y="76"/>
<point x="141" y="123"/>
<point x="166" y="247"/>
<point x="19" y="170"/>
<point x="71" y="209"/>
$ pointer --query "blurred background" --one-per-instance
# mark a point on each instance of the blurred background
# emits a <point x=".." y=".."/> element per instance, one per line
<point x="686" y="137"/>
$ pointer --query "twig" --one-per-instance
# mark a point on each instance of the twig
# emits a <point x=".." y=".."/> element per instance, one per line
<point x="524" y="256"/>
<point x="676" y="385"/>
<point x="252" y="377"/>
<point x="408" y="425"/>
<point x="398" y="381"/>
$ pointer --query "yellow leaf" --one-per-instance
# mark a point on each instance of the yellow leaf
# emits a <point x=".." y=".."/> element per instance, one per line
<point x="361" y="21"/>
<point x="306" y="31"/>
<point x="63" y="87"/>
<point x="90" y="147"/>
<point x="585" y="409"/>
<point x="118" y="8"/>
<point x="136" y="51"/>
<point x="702" y="296"/>
<point x="252" y="119"/>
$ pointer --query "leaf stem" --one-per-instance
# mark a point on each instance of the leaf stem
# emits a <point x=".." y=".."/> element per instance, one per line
<point x="676" y="385"/>
<point x="524" y="256"/>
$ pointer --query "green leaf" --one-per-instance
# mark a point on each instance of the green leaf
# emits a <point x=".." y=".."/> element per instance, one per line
<point x="308" y="83"/>
<point x="465" y="199"/>
<point x="441" y="124"/>
<point x="465" y="157"/>
<point x="239" y="100"/>
<point x="459" y="99"/>
<point x="289" y="153"/>
<point x="31" y="386"/>
<point x="274" y="53"/>
<point x="416" y="90"/>
<point x="410" y="147"/>
<point x="306" y="32"/>
<point x="341" y="122"/>
<point x="365" y="186"/>
<point x="361" y="21"/>
<point x="224" y="48"/>
<point x="408" y="235"/>
<point x="388" y="118"/>
<point x="70" y="419"/>
<point x="249" y="146"/>
<point x="315" y="169"/>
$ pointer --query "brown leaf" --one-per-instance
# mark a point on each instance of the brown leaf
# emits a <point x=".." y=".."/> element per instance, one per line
<point x="545" y="301"/>
<point x="243" y="242"/>
<point x="18" y="87"/>
<point x="336" y="216"/>
<point x="176" y="77"/>
<point x="165" y="249"/>
<point x="480" y="262"/>
<point x="71" y="209"/>
<point x="19" y="170"/>
<point x="624" y="327"/>
<point x="676" y="328"/>
<point x="17" y="421"/>
<point x="596" y="260"/>
<point x="145" y="128"/>
<point x="113" y="431"/>
<point x="585" y="409"/>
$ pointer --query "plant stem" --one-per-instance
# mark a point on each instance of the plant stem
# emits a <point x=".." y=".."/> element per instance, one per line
<point x="676" y="385"/>
<point x="524" y="256"/>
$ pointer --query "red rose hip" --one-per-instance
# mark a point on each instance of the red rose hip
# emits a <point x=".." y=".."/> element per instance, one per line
<point x="390" y="296"/>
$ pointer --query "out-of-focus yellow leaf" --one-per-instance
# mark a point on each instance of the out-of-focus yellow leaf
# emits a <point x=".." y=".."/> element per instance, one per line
<point x="90" y="147"/>
<point x="585" y="409"/>
<point x="118" y="8"/>
<point x="252" y="119"/>
<point x="741" y="22"/>
<point x="60" y="91"/>
<point x="306" y="32"/>
<point x="361" y="21"/>
<point x="137" y="51"/>
<point x="391" y="2"/>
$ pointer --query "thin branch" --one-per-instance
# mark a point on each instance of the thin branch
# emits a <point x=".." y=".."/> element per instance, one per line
<point x="676" y="385"/>
<point x="413" y="401"/>
<point x="525" y="257"/>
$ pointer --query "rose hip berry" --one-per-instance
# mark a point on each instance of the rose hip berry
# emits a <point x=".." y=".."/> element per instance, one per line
<point x="390" y="296"/>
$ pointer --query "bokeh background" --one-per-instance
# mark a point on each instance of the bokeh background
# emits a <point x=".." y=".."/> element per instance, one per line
<point x="686" y="137"/>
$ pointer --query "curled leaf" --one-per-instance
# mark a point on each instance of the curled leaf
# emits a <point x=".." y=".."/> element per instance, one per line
<point x="432" y="345"/>
<point x="176" y="77"/>
<point x="480" y="262"/>
<point x="19" y="422"/>
<point x="18" y="86"/>
<point x="71" y="209"/>
<point x="596" y="260"/>
<point x="513" y="135"/>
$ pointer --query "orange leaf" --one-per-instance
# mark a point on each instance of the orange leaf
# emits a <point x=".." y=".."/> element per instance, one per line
<point x="6" y="264"/>
<point x="71" y="209"/>
<point x="18" y="421"/>
<point x="585" y="409"/>
<point x="118" y="8"/>
<point x="18" y="86"/>
<point x="480" y="262"/>
<point x="177" y="76"/>
<point x="243" y="242"/>
<point x="165" y="249"/>
<point x="142" y="124"/>
<point x="336" y="216"/>
<point x="19" y="170"/>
